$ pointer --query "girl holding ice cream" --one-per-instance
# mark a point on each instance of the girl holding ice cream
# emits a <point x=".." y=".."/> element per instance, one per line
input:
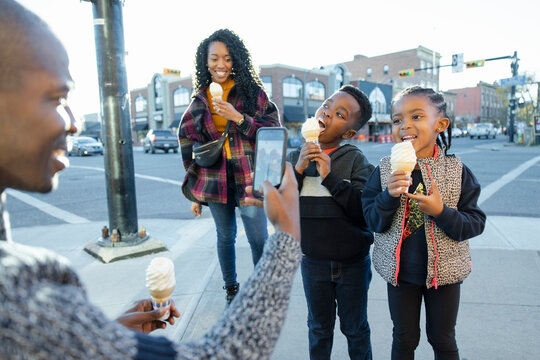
<point x="223" y="61"/>
<point x="422" y="222"/>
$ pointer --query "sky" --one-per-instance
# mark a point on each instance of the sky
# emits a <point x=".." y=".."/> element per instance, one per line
<point x="165" y="34"/>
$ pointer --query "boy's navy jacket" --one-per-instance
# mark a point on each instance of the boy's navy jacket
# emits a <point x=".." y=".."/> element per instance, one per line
<point x="331" y="216"/>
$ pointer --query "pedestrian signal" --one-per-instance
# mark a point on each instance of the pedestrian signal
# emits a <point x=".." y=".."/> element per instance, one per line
<point x="405" y="73"/>
<point x="474" y="64"/>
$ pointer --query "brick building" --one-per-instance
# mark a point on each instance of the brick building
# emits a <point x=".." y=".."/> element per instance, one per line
<point x="478" y="104"/>
<point x="385" y="68"/>
<point x="297" y="92"/>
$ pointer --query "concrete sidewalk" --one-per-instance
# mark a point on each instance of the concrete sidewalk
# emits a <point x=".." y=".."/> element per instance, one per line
<point x="500" y="303"/>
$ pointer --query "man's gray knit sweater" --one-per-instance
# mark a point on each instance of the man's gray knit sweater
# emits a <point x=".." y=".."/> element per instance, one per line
<point x="45" y="313"/>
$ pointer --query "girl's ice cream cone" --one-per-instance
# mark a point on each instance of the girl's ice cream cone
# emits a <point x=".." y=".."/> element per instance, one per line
<point x="403" y="157"/>
<point x="160" y="282"/>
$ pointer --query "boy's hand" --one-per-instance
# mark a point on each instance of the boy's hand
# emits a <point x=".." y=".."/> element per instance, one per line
<point x="431" y="205"/>
<point x="308" y="153"/>
<point x="398" y="183"/>
<point x="323" y="164"/>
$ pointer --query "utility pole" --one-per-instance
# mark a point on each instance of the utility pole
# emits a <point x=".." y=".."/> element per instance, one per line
<point x="125" y="239"/>
<point x="513" y="102"/>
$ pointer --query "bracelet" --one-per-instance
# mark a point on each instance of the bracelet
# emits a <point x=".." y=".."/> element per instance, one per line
<point x="241" y="121"/>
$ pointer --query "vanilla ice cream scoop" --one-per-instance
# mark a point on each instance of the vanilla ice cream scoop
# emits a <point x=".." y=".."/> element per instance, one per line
<point x="216" y="90"/>
<point x="160" y="282"/>
<point x="403" y="157"/>
<point x="311" y="130"/>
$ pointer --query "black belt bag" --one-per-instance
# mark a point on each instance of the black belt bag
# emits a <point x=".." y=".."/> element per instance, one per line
<point x="207" y="154"/>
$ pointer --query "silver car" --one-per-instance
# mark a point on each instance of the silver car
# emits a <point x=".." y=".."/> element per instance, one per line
<point x="84" y="145"/>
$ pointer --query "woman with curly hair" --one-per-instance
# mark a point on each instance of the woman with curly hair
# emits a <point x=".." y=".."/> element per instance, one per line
<point x="223" y="58"/>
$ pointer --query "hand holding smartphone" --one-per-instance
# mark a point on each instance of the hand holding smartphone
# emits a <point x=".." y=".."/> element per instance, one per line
<point x="270" y="153"/>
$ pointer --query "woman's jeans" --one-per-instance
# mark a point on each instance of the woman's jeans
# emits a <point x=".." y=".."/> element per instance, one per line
<point x="405" y="301"/>
<point x="327" y="284"/>
<point x="254" y="221"/>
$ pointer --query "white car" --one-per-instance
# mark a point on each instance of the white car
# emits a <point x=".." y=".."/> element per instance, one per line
<point x="486" y="130"/>
<point x="456" y="132"/>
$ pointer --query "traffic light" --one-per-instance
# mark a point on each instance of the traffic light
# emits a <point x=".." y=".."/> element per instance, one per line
<point x="406" y="73"/>
<point x="474" y="64"/>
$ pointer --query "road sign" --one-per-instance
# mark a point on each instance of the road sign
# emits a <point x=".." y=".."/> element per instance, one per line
<point x="173" y="72"/>
<point x="537" y="125"/>
<point x="516" y="80"/>
<point x="457" y="63"/>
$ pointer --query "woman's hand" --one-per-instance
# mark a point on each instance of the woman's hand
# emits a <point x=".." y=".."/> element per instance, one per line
<point x="226" y="110"/>
<point x="398" y="183"/>
<point x="196" y="209"/>
<point x="308" y="153"/>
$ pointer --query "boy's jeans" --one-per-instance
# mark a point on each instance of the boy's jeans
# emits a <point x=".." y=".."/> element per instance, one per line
<point x="330" y="283"/>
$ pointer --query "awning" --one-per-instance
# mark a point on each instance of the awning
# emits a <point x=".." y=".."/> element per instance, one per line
<point x="176" y="121"/>
<point x="294" y="114"/>
<point x="140" y="126"/>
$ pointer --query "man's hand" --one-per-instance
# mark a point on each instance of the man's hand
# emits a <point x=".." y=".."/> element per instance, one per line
<point x="398" y="183"/>
<point x="323" y="161"/>
<point x="281" y="205"/>
<point x="196" y="209"/>
<point x="143" y="317"/>
<point x="431" y="205"/>
<point x="308" y="153"/>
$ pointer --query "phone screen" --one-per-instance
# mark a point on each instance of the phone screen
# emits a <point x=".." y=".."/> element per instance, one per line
<point x="271" y="145"/>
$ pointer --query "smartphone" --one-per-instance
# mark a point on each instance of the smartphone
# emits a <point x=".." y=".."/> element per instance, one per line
<point x="270" y="153"/>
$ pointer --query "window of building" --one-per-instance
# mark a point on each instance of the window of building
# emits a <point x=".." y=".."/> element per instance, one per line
<point x="267" y="83"/>
<point x="292" y="87"/>
<point x="422" y="64"/>
<point x="316" y="90"/>
<point x="435" y="69"/>
<point x="386" y="68"/>
<point x="428" y="65"/>
<point x="140" y="103"/>
<point x="368" y="72"/>
<point x="181" y="96"/>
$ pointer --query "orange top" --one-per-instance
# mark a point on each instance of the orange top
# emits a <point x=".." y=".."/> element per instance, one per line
<point x="328" y="151"/>
<point x="219" y="121"/>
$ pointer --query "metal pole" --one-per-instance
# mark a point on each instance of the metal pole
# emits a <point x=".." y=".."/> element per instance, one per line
<point x="512" y="103"/>
<point x="305" y="96"/>
<point x="116" y="128"/>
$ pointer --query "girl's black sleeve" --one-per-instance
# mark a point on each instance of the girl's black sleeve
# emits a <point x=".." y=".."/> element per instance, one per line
<point x="468" y="220"/>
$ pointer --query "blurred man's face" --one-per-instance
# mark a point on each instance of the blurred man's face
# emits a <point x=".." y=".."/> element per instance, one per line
<point x="33" y="134"/>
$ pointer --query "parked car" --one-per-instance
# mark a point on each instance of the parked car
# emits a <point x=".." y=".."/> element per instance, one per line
<point x="294" y="143"/>
<point x="486" y="130"/>
<point x="84" y="145"/>
<point x="160" y="139"/>
<point x="456" y="132"/>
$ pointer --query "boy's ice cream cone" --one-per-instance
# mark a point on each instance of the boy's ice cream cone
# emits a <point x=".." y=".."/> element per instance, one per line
<point x="311" y="130"/>
<point x="403" y="157"/>
<point x="216" y="90"/>
<point x="160" y="282"/>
